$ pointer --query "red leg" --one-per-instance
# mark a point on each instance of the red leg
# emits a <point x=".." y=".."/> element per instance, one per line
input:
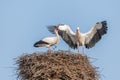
<point x="78" y="47"/>
<point x="49" y="50"/>
<point x="69" y="49"/>
<point x="82" y="51"/>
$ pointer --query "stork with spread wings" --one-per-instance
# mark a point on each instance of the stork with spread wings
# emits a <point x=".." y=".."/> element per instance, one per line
<point x="77" y="39"/>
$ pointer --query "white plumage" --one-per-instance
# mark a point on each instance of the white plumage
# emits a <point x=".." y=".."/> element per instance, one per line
<point x="48" y="41"/>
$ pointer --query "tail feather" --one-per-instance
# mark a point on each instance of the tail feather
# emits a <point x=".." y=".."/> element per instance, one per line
<point x="40" y="43"/>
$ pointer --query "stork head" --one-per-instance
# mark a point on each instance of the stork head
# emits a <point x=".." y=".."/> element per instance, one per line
<point x="57" y="27"/>
<point x="78" y="29"/>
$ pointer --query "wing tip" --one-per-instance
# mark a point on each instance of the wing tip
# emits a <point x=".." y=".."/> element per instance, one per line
<point x="51" y="28"/>
<point x="104" y="24"/>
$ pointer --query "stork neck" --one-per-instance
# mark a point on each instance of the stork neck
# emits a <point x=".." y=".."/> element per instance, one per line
<point x="56" y="33"/>
<point x="78" y="32"/>
<point x="57" y="36"/>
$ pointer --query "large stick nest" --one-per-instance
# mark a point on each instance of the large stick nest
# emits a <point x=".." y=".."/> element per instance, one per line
<point x="58" y="65"/>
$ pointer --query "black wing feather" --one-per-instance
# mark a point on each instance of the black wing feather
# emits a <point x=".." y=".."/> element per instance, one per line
<point x="68" y="39"/>
<point x="65" y="36"/>
<point x="98" y="35"/>
<point x="37" y="44"/>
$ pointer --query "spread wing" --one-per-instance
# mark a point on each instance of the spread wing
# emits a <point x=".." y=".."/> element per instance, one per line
<point x="66" y="33"/>
<point x="52" y="28"/>
<point x="68" y="38"/>
<point x="95" y="34"/>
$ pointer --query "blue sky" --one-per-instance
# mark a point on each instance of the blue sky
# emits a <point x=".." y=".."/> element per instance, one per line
<point x="23" y="22"/>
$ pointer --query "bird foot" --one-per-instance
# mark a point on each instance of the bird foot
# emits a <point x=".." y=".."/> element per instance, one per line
<point x="49" y="51"/>
<point x="83" y="54"/>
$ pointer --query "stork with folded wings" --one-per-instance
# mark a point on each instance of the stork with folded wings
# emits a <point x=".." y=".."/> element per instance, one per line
<point x="48" y="41"/>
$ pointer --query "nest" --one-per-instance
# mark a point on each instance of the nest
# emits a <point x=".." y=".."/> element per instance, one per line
<point x="58" y="65"/>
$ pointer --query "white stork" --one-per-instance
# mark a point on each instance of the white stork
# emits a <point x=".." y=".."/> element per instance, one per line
<point x="88" y="39"/>
<point x="48" y="41"/>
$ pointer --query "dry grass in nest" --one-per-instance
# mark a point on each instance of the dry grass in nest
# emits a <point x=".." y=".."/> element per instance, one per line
<point x="58" y="65"/>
